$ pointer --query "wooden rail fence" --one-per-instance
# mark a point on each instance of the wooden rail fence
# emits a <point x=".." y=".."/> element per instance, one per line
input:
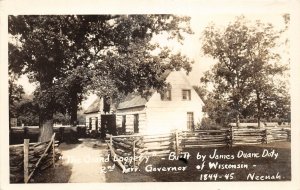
<point x="26" y="158"/>
<point x="205" y="138"/>
<point x="136" y="146"/>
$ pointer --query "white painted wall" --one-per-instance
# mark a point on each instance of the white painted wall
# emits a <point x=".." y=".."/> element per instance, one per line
<point x="164" y="116"/>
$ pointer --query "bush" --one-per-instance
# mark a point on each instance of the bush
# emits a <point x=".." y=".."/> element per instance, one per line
<point x="207" y="123"/>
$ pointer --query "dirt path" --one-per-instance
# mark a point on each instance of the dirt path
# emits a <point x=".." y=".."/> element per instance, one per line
<point x="82" y="158"/>
<point x="77" y="164"/>
<point x="80" y="163"/>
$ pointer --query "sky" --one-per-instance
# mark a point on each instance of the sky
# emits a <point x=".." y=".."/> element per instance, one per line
<point x="191" y="46"/>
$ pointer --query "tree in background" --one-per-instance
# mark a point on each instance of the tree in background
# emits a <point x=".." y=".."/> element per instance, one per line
<point x="245" y="77"/>
<point x="108" y="54"/>
<point x="28" y="111"/>
<point x="15" y="93"/>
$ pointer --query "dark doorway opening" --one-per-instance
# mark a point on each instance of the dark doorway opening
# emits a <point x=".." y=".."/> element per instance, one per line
<point x="108" y="125"/>
<point x="123" y="131"/>
<point x="136" y="123"/>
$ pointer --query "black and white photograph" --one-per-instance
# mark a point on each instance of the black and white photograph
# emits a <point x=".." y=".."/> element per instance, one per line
<point x="199" y="97"/>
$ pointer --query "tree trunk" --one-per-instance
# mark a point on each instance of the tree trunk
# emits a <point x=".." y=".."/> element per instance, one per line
<point x="46" y="130"/>
<point x="258" y="102"/>
<point x="46" y="124"/>
<point x="237" y="118"/>
<point x="46" y="117"/>
<point x="74" y="116"/>
<point x="74" y="108"/>
<point x="237" y="114"/>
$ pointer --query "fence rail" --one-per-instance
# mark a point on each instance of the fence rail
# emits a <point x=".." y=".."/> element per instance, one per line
<point x="26" y="158"/>
<point x="248" y="136"/>
<point x="160" y="145"/>
<point x="205" y="138"/>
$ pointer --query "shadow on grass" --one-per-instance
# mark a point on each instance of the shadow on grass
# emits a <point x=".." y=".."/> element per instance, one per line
<point x="59" y="174"/>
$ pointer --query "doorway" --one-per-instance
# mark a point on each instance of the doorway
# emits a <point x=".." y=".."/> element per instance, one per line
<point x="123" y="124"/>
<point x="108" y="125"/>
<point x="136" y="123"/>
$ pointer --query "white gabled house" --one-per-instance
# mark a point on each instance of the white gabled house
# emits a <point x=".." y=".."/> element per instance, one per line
<point x="179" y="107"/>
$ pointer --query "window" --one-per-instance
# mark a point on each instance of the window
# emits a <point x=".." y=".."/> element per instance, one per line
<point x="166" y="95"/>
<point x="186" y="94"/>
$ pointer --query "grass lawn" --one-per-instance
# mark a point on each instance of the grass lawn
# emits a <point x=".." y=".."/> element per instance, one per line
<point x="258" y="163"/>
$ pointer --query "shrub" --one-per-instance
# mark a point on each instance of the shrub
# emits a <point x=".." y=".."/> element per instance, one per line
<point x="207" y="123"/>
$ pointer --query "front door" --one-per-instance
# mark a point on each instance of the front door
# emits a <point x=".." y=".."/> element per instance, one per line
<point x="136" y="123"/>
<point x="108" y="125"/>
<point x="190" y="121"/>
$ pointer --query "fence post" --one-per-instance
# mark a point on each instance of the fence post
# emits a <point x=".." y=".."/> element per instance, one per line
<point x="288" y="135"/>
<point x="266" y="136"/>
<point x="231" y="136"/>
<point x="133" y="152"/>
<point x="228" y="136"/>
<point x="177" y="144"/>
<point x="53" y="153"/>
<point x="26" y="160"/>
<point x="110" y="140"/>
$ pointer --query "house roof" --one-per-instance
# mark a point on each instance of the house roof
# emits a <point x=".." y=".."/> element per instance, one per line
<point x="166" y="74"/>
<point x="132" y="100"/>
<point x="135" y="99"/>
<point x="94" y="107"/>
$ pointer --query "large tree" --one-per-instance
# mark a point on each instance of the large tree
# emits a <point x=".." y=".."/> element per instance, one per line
<point x="247" y="66"/>
<point x="69" y="54"/>
<point x="40" y="53"/>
